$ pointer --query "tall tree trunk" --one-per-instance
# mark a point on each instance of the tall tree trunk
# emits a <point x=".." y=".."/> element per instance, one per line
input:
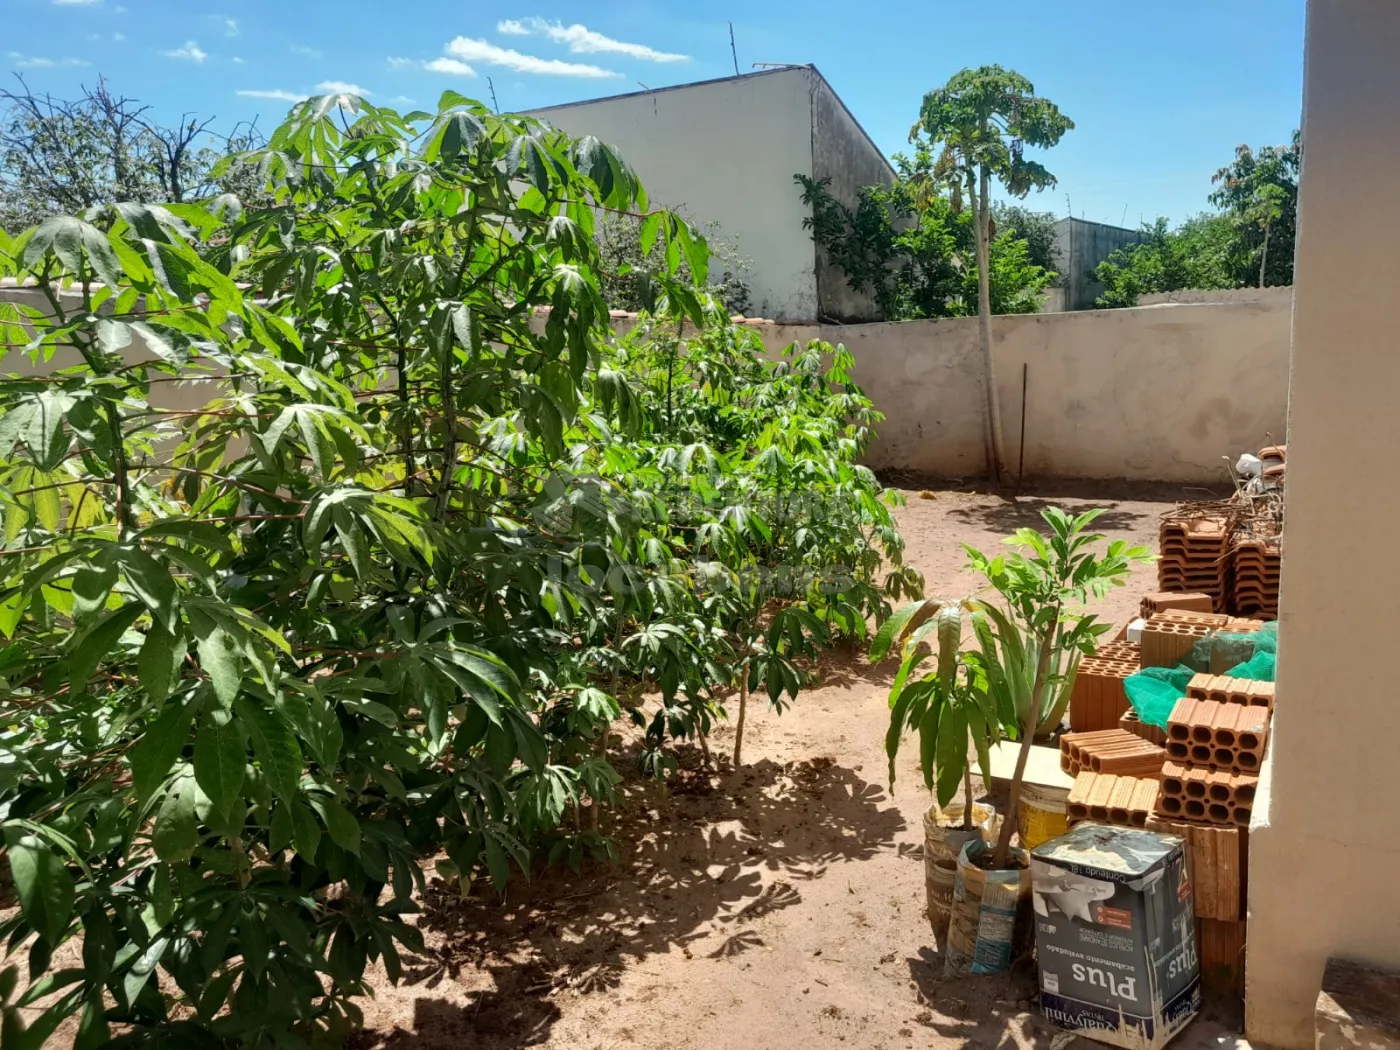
<point x="1264" y="258"/>
<point x="739" y="725"/>
<point x="996" y="459"/>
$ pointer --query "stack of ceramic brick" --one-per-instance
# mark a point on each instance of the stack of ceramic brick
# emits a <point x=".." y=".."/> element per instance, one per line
<point x="1217" y="862"/>
<point x="1111" y="799"/>
<point x="1275" y="460"/>
<point x="1194" y="549"/>
<point x="1131" y="723"/>
<point x="1200" y="793"/>
<point x="1168" y="637"/>
<point x="1255" y="566"/>
<point x="1098" y="699"/>
<point x="1110" y="751"/>
<point x="1227" y="690"/>
<point x="1163" y="601"/>
<point x="1221" y="736"/>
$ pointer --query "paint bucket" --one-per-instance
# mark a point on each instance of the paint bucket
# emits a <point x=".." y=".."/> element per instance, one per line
<point x="1042" y="814"/>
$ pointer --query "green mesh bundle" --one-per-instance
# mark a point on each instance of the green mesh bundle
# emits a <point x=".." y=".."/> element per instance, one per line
<point x="1154" y="691"/>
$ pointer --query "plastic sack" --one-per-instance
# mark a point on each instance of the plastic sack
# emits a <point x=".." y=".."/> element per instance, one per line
<point x="1154" y="691"/>
<point x="991" y="913"/>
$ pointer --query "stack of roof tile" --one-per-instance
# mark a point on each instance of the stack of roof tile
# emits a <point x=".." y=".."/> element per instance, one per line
<point x="1194" y="547"/>
<point x="1255" y="565"/>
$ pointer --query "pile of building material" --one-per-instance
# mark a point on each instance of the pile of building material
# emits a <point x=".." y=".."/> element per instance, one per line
<point x="1229" y="550"/>
<point x="1110" y="751"/>
<point x="1217" y="736"/>
<point x="1112" y="799"/>
<point x="1098" y="700"/>
<point x="1194" y="543"/>
<point x="1168" y="637"/>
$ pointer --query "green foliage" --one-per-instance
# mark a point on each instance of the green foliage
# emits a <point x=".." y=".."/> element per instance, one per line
<point x="1249" y="243"/>
<point x="975" y="129"/>
<point x="1017" y="680"/>
<point x="1036" y="228"/>
<point x="1259" y="191"/>
<point x="916" y="255"/>
<point x="1038" y="629"/>
<point x="1197" y="254"/>
<point x="380" y="596"/>
<point x="949" y="705"/>
<point x="628" y="274"/>
<point x="979" y="125"/>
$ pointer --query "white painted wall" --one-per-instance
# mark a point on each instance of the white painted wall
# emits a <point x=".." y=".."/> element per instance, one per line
<point x="725" y="151"/>
<point x="1325" y="843"/>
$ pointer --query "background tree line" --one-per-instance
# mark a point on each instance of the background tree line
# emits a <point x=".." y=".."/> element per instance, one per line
<point x="1247" y="243"/>
<point x="912" y="247"/>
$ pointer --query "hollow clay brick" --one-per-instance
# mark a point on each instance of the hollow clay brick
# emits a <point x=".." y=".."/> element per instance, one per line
<point x="1131" y="723"/>
<point x="1217" y="863"/>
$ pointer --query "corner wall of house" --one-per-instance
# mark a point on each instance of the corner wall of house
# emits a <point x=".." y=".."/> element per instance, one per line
<point x="1325" y="845"/>
<point x="843" y="153"/>
<point x="724" y="151"/>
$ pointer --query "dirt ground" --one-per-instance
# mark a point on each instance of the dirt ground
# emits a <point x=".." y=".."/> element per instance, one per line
<point x="776" y="907"/>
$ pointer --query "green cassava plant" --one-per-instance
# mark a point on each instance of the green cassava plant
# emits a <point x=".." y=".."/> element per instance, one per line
<point x="1031" y="643"/>
<point x="337" y="534"/>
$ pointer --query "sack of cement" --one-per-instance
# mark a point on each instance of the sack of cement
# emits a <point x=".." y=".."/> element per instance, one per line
<point x="1115" y="935"/>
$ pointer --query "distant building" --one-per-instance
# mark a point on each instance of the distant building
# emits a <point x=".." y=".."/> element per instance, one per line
<point x="1080" y="245"/>
<point x="726" y="151"/>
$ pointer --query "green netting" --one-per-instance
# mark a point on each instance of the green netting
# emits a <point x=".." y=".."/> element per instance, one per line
<point x="1154" y="691"/>
<point x="1258" y="668"/>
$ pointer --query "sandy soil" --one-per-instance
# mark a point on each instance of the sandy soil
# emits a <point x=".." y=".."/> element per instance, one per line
<point x="775" y="907"/>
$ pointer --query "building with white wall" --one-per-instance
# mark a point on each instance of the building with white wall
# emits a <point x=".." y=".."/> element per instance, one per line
<point x="726" y="151"/>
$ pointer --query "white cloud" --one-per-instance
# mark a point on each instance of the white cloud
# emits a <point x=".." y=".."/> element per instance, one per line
<point x="274" y="93"/>
<point x="76" y="3"/>
<point x="40" y="62"/>
<point x="451" y="66"/>
<point x="402" y="100"/>
<point x="119" y="37"/>
<point x="119" y="9"/>
<point x="582" y="40"/>
<point x="403" y="63"/>
<point x="341" y="87"/>
<point x="189" y="53"/>
<point x="471" y="50"/>
<point x="229" y="25"/>
<point x="306" y="52"/>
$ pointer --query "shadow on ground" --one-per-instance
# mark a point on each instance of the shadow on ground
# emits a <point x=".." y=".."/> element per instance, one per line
<point x="680" y="879"/>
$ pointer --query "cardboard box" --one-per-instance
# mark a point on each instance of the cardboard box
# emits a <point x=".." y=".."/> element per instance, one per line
<point x="1115" y="935"/>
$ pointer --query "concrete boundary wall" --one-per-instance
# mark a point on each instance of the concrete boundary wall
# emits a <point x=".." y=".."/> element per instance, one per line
<point x="1156" y="393"/>
<point x="1153" y="394"/>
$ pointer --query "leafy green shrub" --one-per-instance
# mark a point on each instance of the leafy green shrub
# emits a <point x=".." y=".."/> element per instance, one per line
<point x="326" y="553"/>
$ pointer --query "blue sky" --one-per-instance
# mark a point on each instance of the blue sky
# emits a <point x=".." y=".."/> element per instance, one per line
<point x="1161" y="90"/>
